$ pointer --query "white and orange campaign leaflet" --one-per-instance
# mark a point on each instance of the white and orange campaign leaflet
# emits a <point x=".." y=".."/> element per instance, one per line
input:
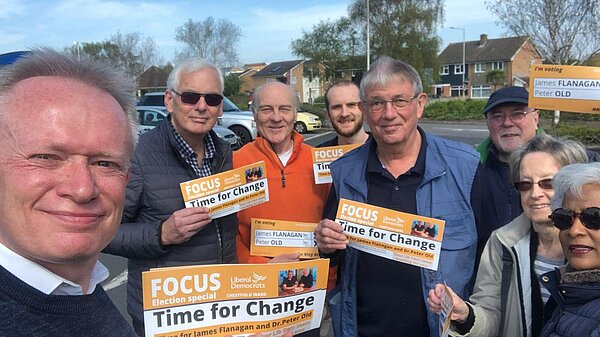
<point x="322" y="158"/>
<point x="445" y="318"/>
<point x="234" y="299"/>
<point x="394" y="235"/>
<point x="228" y="192"/>
<point x="275" y="237"/>
<point x="567" y="88"/>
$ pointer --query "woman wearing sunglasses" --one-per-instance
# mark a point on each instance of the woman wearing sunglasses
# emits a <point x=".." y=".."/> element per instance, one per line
<point x="576" y="287"/>
<point x="507" y="299"/>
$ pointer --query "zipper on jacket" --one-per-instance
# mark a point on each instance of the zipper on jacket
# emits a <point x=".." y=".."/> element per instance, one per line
<point x="282" y="178"/>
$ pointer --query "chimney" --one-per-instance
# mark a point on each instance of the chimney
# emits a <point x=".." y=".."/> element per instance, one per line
<point x="482" y="39"/>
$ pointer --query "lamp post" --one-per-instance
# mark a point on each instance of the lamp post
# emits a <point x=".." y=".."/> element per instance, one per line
<point x="368" y="38"/>
<point x="76" y="44"/>
<point x="464" y="68"/>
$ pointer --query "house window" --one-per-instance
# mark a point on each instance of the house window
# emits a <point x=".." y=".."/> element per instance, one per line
<point x="293" y="81"/>
<point x="481" y="91"/>
<point x="456" y="91"/>
<point x="479" y="67"/>
<point x="458" y="69"/>
<point x="498" y="65"/>
<point x="445" y="70"/>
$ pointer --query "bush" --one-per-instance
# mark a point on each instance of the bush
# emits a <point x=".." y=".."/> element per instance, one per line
<point x="455" y="109"/>
<point x="585" y="134"/>
<point x="320" y="99"/>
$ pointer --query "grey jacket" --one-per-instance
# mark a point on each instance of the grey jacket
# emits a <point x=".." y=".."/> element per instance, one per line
<point x="152" y="195"/>
<point x="502" y="306"/>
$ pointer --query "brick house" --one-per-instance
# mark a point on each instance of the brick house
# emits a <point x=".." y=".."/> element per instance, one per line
<point x="292" y="73"/>
<point x="509" y="58"/>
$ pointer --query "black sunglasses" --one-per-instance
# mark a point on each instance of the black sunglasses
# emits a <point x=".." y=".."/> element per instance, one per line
<point x="563" y="219"/>
<point x="527" y="185"/>
<point x="193" y="98"/>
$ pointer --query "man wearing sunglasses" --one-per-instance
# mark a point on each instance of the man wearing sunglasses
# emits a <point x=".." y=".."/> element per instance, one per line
<point x="157" y="230"/>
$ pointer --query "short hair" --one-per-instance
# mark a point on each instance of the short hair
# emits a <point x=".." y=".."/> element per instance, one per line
<point x="571" y="179"/>
<point x="387" y="69"/>
<point x="48" y="62"/>
<point x="564" y="151"/>
<point x="340" y="83"/>
<point x="189" y="66"/>
<point x="259" y="92"/>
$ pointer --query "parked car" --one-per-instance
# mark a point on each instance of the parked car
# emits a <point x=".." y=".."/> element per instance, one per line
<point x="306" y="122"/>
<point x="151" y="117"/>
<point x="240" y="122"/>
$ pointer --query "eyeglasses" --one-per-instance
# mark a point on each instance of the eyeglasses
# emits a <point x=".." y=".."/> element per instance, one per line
<point x="563" y="219"/>
<point x="517" y="117"/>
<point x="193" y="98"/>
<point x="524" y="186"/>
<point x="378" y="105"/>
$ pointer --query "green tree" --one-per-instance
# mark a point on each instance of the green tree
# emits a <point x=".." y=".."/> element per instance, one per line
<point x="210" y="39"/>
<point x="232" y="85"/>
<point x="495" y="77"/>
<point x="405" y="30"/>
<point x="564" y="31"/>
<point x="332" y="47"/>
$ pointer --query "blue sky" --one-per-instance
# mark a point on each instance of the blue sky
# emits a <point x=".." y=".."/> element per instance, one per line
<point x="268" y="26"/>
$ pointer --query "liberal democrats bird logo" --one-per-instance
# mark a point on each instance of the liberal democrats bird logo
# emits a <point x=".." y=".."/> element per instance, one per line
<point x="256" y="278"/>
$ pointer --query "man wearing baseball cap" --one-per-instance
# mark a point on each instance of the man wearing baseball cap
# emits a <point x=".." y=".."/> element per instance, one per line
<point x="511" y="124"/>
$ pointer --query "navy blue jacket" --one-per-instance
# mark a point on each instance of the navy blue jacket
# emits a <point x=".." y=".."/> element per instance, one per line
<point x="577" y="297"/>
<point x="152" y="195"/>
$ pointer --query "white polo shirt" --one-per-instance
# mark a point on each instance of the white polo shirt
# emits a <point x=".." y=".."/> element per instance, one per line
<point x="44" y="280"/>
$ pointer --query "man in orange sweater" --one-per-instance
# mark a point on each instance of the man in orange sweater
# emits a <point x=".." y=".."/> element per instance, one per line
<point x="293" y="194"/>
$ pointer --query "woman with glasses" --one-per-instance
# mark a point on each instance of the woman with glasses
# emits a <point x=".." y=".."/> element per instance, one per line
<point x="576" y="287"/>
<point x="507" y="299"/>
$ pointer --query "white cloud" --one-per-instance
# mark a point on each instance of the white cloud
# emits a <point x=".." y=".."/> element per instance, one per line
<point x="11" y="8"/>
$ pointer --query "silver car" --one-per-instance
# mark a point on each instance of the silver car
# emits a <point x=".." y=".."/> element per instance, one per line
<point x="240" y="122"/>
<point x="151" y="117"/>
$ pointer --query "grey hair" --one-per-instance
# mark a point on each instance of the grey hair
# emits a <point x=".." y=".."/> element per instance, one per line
<point x="387" y="69"/>
<point x="48" y="62"/>
<point x="189" y="66"/>
<point x="564" y="151"/>
<point x="259" y="92"/>
<point x="571" y="179"/>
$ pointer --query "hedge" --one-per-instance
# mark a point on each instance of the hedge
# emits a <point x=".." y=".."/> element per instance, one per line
<point x="455" y="110"/>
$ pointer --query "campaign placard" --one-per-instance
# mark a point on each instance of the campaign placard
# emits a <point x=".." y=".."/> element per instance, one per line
<point x="398" y="236"/>
<point x="275" y="237"/>
<point x="567" y="88"/>
<point x="228" y="192"/>
<point x="234" y="299"/>
<point x="322" y="158"/>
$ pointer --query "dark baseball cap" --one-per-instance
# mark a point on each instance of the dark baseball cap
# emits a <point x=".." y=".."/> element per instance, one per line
<point x="511" y="94"/>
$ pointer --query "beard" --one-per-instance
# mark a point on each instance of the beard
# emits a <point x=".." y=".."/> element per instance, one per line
<point x="348" y="132"/>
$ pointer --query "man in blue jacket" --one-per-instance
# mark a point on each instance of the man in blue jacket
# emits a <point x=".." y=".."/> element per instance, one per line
<point x="157" y="230"/>
<point x="404" y="169"/>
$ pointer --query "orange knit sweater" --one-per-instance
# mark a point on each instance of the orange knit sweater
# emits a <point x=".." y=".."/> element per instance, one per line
<point x="299" y="200"/>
